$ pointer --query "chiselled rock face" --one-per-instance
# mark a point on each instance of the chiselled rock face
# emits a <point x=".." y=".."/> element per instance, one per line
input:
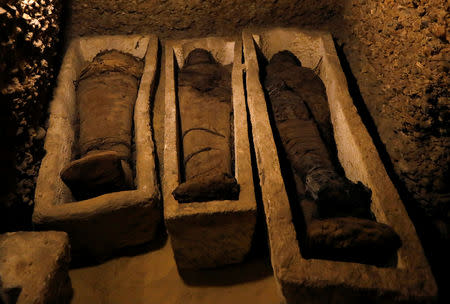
<point x="339" y="223"/>
<point x="204" y="95"/>
<point x="106" y="94"/>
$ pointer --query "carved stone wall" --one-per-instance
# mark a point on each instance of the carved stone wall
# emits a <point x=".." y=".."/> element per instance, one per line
<point x="183" y="19"/>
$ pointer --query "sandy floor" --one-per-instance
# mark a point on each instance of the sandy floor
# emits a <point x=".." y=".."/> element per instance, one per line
<point x="152" y="277"/>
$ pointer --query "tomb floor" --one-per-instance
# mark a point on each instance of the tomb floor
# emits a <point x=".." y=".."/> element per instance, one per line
<point x="152" y="277"/>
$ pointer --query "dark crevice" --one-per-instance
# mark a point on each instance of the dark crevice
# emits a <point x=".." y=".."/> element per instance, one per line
<point x="179" y="145"/>
<point x="152" y="116"/>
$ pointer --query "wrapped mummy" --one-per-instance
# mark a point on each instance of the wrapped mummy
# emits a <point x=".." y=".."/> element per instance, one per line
<point x="339" y="223"/>
<point x="106" y="93"/>
<point x="204" y="96"/>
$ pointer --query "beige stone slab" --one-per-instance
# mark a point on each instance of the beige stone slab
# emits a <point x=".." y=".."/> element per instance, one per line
<point x="38" y="263"/>
<point x="208" y="234"/>
<point x="99" y="225"/>
<point x="322" y="281"/>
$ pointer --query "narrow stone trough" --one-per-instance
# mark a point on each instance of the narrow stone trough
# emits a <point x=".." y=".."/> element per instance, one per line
<point x="99" y="225"/>
<point x="302" y="280"/>
<point x="216" y="232"/>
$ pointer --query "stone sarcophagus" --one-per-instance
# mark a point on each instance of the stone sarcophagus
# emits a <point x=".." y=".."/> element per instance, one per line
<point x="101" y="223"/>
<point x="207" y="230"/>
<point x="314" y="280"/>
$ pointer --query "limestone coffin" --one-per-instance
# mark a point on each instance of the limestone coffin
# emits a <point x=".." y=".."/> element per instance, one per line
<point x="213" y="233"/>
<point x="99" y="225"/>
<point x="303" y="280"/>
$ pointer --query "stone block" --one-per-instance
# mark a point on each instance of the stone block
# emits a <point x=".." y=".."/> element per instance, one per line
<point x="303" y="280"/>
<point x="35" y="265"/>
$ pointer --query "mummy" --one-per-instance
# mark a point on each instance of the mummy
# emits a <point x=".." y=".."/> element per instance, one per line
<point x="106" y="93"/>
<point x="204" y="96"/>
<point x="338" y="220"/>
